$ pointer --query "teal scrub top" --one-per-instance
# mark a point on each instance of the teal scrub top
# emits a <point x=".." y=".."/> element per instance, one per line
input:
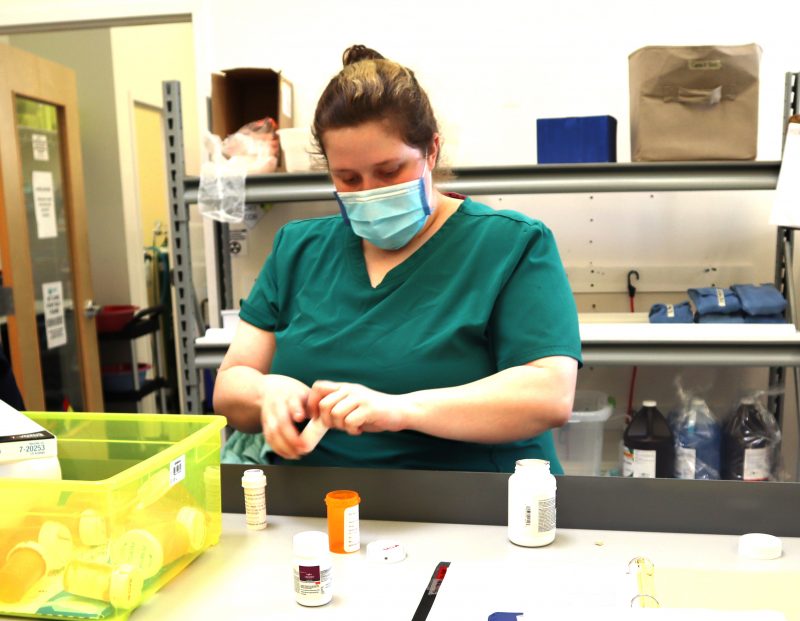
<point x="486" y="292"/>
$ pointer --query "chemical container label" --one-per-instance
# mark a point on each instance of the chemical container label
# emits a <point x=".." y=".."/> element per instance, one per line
<point x="756" y="464"/>
<point x="639" y="463"/>
<point x="685" y="462"/>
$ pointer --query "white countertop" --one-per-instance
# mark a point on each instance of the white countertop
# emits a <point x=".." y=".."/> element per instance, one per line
<point x="248" y="575"/>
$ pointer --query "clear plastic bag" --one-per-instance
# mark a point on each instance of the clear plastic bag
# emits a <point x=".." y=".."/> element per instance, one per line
<point x="255" y="145"/>
<point x="751" y="442"/>
<point x="698" y="439"/>
<point x="220" y="195"/>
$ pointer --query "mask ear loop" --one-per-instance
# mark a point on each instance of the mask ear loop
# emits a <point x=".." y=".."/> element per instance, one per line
<point x="425" y="204"/>
<point x="341" y="208"/>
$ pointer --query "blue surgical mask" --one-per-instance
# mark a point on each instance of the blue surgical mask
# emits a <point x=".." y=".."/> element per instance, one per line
<point x="387" y="217"/>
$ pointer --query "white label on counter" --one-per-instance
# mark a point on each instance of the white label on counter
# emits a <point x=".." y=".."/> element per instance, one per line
<point x="44" y="204"/>
<point x="54" y="324"/>
<point x="685" y="462"/>
<point x="756" y="464"/>
<point x="352" y="535"/>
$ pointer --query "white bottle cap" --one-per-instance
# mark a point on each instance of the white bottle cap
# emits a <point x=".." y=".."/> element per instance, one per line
<point x="254" y="478"/>
<point x="125" y="588"/>
<point x="141" y="549"/>
<point x="92" y="528"/>
<point x="194" y="521"/>
<point x="56" y="540"/>
<point x="310" y="543"/>
<point x="649" y="404"/>
<point x="760" y="546"/>
<point x="385" y="551"/>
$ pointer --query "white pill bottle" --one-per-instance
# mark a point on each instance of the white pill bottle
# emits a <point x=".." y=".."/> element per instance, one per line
<point x="313" y="569"/>
<point x="532" y="503"/>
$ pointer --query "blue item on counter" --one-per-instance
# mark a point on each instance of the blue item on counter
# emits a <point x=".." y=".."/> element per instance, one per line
<point x="760" y="299"/>
<point x="698" y="442"/>
<point x="671" y="313"/>
<point x="715" y="300"/>
<point x="576" y="139"/>
<point x="719" y="318"/>
<point x="778" y="318"/>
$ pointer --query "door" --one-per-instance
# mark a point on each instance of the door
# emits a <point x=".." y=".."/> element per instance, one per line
<point x="48" y="321"/>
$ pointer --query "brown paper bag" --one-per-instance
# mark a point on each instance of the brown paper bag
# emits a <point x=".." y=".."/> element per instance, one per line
<point x="694" y="102"/>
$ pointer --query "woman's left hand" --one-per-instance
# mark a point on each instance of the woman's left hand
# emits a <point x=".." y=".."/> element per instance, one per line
<point x="355" y="408"/>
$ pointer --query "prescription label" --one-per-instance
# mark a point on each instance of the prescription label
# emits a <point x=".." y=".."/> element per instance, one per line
<point x="312" y="580"/>
<point x="352" y="534"/>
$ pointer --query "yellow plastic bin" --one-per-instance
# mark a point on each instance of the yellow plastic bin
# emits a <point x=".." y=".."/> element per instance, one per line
<point x="579" y="443"/>
<point x="139" y="501"/>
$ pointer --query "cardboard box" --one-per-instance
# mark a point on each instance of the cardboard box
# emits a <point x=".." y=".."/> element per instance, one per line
<point x="694" y="102"/>
<point x="239" y="96"/>
<point x="579" y="139"/>
<point x="139" y="501"/>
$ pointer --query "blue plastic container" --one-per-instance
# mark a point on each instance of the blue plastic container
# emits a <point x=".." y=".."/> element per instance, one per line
<point x="578" y="139"/>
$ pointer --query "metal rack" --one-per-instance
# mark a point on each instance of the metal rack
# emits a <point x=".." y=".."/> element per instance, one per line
<point x="585" y="178"/>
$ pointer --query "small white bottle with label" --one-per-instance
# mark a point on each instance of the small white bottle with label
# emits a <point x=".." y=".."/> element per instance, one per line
<point x="254" y="482"/>
<point x="313" y="569"/>
<point x="532" y="503"/>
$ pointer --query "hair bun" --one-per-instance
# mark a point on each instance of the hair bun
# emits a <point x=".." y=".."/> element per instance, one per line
<point x="356" y="53"/>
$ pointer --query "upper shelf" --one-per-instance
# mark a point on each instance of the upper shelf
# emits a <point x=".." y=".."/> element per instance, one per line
<point x="539" y="179"/>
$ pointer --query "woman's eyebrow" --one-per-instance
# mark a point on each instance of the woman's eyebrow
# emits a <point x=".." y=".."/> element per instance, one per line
<point x="394" y="160"/>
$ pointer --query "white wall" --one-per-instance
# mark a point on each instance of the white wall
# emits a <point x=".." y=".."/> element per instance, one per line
<point x="139" y="71"/>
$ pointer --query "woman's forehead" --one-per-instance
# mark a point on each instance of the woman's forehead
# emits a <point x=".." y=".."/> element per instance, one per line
<point x="367" y="144"/>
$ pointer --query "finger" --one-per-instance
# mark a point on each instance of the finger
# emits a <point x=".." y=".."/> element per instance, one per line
<point x="312" y="434"/>
<point x="282" y="432"/>
<point x="355" y="421"/>
<point x="327" y="404"/>
<point x="296" y="408"/>
<point x="342" y="409"/>
<point x="319" y="390"/>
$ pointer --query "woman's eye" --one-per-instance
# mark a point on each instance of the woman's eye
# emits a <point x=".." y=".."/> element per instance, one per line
<point x="390" y="173"/>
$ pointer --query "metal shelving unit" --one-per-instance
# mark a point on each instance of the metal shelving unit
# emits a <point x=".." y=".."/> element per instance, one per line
<point x="583" y="178"/>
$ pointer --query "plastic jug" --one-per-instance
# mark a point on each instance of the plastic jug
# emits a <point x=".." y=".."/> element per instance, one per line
<point x="751" y="439"/>
<point x="649" y="449"/>
<point x="698" y="442"/>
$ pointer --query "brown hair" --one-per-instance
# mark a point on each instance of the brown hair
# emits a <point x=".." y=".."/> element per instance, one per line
<point x="372" y="88"/>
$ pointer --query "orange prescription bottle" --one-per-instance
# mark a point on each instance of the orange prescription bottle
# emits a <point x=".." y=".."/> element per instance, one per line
<point x="120" y="585"/>
<point x="157" y="545"/>
<point x="343" y="530"/>
<point x="23" y="568"/>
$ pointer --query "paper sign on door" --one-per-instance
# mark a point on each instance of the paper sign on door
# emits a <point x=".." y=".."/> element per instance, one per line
<point x="44" y="204"/>
<point x="55" y="326"/>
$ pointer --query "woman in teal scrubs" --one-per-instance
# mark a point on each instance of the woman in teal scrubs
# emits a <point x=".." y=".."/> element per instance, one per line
<point x="426" y="330"/>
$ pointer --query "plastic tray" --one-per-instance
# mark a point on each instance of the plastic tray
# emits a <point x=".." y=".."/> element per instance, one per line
<point x="139" y="500"/>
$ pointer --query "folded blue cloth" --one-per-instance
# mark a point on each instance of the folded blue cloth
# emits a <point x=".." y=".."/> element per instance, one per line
<point x="777" y="318"/>
<point x="719" y="318"/>
<point x="760" y="299"/>
<point x="715" y="300"/>
<point x="671" y="313"/>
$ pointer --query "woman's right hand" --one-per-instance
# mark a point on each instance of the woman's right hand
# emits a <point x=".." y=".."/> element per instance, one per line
<point x="283" y="403"/>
